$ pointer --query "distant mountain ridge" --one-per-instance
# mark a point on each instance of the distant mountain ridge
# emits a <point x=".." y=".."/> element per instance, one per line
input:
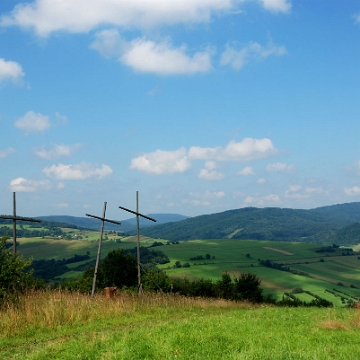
<point x="329" y="224"/>
<point x="126" y="226"/>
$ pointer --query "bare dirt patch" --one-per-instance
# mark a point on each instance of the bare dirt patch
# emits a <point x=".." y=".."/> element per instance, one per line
<point x="278" y="250"/>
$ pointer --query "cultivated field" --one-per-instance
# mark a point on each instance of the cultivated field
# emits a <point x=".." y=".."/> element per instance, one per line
<point x="331" y="276"/>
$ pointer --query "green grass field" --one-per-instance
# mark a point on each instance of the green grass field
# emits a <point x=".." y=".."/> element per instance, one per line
<point x="60" y="325"/>
<point x="335" y="271"/>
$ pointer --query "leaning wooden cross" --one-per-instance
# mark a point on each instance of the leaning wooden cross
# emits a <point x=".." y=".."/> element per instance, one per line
<point x="138" y="235"/>
<point x="15" y="218"/>
<point x="103" y="219"/>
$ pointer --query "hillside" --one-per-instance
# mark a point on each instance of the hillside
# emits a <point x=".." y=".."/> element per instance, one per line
<point x="320" y="225"/>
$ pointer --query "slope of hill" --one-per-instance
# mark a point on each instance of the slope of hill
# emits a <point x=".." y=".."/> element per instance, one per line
<point x="319" y="225"/>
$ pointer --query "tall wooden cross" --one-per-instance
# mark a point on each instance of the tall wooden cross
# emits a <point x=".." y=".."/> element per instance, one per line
<point x="138" y="235"/>
<point x="14" y="218"/>
<point x="103" y="219"/>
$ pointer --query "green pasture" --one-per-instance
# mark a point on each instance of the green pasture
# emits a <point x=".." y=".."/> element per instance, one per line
<point x="233" y="256"/>
<point x="56" y="325"/>
<point x="230" y="256"/>
<point x="45" y="248"/>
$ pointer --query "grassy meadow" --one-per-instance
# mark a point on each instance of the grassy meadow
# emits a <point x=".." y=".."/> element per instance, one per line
<point x="331" y="276"/>
<point x="61" y="325"/>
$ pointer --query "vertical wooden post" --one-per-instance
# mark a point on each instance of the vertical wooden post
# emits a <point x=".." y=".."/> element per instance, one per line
<point x="14" y="222"/>
<point x="138" y="235"/>
<point x="99" y="251"/>
<point x="138" y="242"/>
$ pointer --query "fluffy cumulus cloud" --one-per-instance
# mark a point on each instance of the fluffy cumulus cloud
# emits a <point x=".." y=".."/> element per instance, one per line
<point x="47" y="16"/>
<point x="32" y="122"/>
<point x="147" y="56"/>
<point x="6" y="152"/>
<point x="268" y="200"/>
<point x="21" y="184"/>
<point x="300" y="192"/>
<point x="163" y="59"/>
<point x="78" y="171"/>
<point x="168" y="162"/>
<point x="276" y="6"/>
<point x="236" y="56"/>
<point x="352" y="191"/>
<point x="204" y="199"/>
<point x="10" y="70"/>
<point x="209" y="172"/>
<point x="162" y="162"/>
<point x="248" y="149"/>
<point x="56" y="152"/>
<point x="246" y="171"/>
<point x="279" y="167"/>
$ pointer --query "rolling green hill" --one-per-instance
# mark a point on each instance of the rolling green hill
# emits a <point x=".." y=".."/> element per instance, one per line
<point x="320" y="225"/>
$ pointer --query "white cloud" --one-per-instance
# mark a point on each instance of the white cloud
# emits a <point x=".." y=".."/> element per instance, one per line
<point x="32" y="122"/>
<point x="353" y="191"/>
<point x="249" y="200"/>
<point x="204" y="199"/>
<point x="268" y="200"/>
<point x="56" y="152"/>
<point x="279" y="167"/>
<point x="5" y="153"/>
<point x="246" y="171"/>
<point x="10" y="70"/>
<point x="277" y="5"/>
<point x="248" y="149"/>
<point x="21" y="184"/>
<point x="162" y="59"/>
<point x="146" y="56"/>
<point x="162" y="162"/>
<point x="77" y="172"/>
<point x="60" y="185"/>
<point x="62" y="205"/>
<point x="47" y="16"/>
<point x="272" y="198"/>
<point x="209" y="172"/>
<point x="206" y="174"/>
<point x="214" y="194"/>
<point x="261" y="181"/>
<point x="357" y="18"/>
<point x="237" y="57"/>
<point x="299" y="192"/>
<point x="81" y="16"/>
<point x="109" y="43"/>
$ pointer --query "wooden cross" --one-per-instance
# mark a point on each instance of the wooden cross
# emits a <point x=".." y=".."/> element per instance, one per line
<point x="103" y="219"/>
<point x="138" y="235"/>
<point x="14" y="218"/>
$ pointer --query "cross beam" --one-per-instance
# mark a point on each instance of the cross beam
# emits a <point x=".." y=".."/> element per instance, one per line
<point x="103" y="219"/>
<point x="15" y="218"/>
<point x="138" y="235"/>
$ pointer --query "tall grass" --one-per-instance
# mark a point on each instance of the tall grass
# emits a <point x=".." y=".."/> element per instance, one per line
<point x="62" y="325"/>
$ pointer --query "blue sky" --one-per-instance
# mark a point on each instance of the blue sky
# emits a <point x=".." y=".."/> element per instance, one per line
<point x="200" y="105"/>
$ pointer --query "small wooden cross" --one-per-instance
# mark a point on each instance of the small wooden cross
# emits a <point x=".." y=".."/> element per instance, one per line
<point x="15" y="218"/>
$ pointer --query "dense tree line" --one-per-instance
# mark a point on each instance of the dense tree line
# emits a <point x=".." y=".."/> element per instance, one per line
<point x="48" y="269"/>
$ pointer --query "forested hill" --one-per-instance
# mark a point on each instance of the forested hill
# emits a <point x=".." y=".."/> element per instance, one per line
<point x="330" y="224"/>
